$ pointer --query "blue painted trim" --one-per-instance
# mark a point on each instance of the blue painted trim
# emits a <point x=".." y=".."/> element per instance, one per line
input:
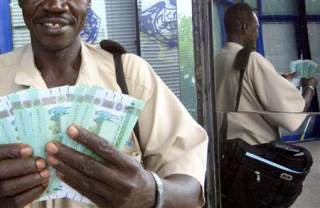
<point x="313" y="18"/>
<point x="221" y="10"/>
<point x="278" y="18"/>
<point x="6" y="43"/>
<point x="226" y="2"/>
<point x="296" y="137"/>
<point x="223" y="31"/>
<point x="260" y="46"/>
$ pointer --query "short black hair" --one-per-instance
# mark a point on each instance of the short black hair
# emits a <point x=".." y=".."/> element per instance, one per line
<point x="236" y="15"/>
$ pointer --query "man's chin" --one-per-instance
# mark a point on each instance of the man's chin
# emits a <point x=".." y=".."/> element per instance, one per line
<point x="54" y="45"/>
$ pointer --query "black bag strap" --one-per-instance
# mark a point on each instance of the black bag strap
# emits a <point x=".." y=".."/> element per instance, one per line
<point x="118" y="50"/>
<point x="240" y="64"/>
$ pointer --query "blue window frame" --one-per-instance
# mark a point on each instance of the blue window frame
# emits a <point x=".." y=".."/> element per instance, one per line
<point x="5" y="27"/>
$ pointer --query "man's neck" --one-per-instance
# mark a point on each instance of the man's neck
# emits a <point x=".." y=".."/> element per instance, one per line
<point x="235" y="39"/>
<point x="58" y="67"/>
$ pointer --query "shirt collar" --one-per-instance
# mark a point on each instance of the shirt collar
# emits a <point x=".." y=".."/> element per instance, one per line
<point x="29" y="75"/>
<point x="233" y="45"/>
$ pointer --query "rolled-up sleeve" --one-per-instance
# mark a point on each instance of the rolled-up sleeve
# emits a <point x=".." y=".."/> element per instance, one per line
<point x="276" y="94"/>
<point x="172" y="141"/>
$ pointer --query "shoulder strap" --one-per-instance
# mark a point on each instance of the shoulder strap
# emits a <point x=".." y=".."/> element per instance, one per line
<point x="118" y="50"/>
<point x="240" y="64"/>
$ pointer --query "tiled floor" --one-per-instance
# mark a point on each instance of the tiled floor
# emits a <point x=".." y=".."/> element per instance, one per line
<point x="310" y="197"/>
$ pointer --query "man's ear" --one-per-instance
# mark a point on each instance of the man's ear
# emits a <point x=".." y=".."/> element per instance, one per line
<point x="244" y="28"/>
<point x="19" y="1"/>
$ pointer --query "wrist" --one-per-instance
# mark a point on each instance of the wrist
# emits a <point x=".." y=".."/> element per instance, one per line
<point x="308" y="87"/>
<point x="150" y="195"/>
<point x="159" y="196"/>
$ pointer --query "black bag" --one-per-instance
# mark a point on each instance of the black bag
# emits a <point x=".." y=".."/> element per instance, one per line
<point x="260" y="176"/>
<point x="251" y="183"/>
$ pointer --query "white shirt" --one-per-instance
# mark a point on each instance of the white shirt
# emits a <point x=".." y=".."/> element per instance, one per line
<point x="172" y="141"/>
<point x="263" y="90"/>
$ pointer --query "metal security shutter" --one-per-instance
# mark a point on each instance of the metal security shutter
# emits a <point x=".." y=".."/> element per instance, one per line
<point x="314" y="38"/>
<point x="122" y="22"/>
<point x="274" y="35"/>
<point x="20" y="32"/>
<point x="164" y="59"/>
<point x="117" y="21"/>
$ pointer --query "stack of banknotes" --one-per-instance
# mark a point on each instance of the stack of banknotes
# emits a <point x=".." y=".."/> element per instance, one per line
<point x="36" y="117"/>
<point x="305" y="68"/>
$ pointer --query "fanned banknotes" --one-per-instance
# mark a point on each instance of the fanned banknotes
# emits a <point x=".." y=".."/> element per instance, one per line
<point x="36" y="117"/>
<point x="305" y="68"/>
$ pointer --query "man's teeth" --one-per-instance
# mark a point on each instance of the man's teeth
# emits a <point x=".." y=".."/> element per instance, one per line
<point x="52" y="25"/>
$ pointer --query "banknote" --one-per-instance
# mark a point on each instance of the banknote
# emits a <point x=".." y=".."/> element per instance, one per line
<point x="8" y="128"/>
<point x="38" y="116"/>
<point x="305" y="68"/>
<point x="21" y="107"/>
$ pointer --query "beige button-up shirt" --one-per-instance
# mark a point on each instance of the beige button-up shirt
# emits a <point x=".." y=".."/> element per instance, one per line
<point x="263" y="89"/>
<point x="172" y="142"/>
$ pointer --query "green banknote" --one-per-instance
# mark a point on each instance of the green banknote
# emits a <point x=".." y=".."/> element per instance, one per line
<point x="114" y="116"/>
<point x="36" y="117"/>
<point x="305" y="68"/>
<point x="8" y="128"/>
<point x="21" y="108"/>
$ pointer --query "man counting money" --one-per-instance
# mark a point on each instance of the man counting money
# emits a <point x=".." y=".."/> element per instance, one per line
<point x="166" y="170"/>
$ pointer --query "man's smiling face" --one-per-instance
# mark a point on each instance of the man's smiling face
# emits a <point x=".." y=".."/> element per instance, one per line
<point x="54" y="24"/>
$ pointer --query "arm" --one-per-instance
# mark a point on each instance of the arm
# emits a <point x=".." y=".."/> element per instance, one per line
<point x="176" y="196"/>
<point x="308" y="91"/>
<point x="173" y="145"/>
<point x="118" y="180"/>
<point x="277" y="95"/>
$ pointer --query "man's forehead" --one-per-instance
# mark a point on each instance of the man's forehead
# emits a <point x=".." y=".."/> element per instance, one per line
<point x="256" y="18"/>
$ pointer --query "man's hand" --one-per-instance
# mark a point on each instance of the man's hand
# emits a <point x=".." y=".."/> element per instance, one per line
<point x="22" y="178"/>
<point x="289" y="76"/>
<point x="308" y="82"/>
<point x="117" y="181"/>
<point x="308" y="90"/>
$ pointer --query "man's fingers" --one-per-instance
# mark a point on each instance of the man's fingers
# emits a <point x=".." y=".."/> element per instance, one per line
<point x="13" y="187"/>
<point x="81" y="181"/>
<point x="23" y="199"/>
<point x="81" y="162"/>
<point x="98" y="145"/>
<point x="12" y="151"/>
<point x="72" y="182"/>
<point x="19" y="167"/>
<point x="293" y="74"/>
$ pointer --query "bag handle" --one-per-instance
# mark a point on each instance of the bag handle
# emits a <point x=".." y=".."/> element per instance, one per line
<point x="118" y="50"/>
<point x="293" y="150"/>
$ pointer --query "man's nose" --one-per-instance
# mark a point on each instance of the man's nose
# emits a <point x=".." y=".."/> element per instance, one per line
<point x="56" y="5"/>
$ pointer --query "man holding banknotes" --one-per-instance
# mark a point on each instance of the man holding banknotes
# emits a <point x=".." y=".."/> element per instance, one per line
<point x="167" y="169"/>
